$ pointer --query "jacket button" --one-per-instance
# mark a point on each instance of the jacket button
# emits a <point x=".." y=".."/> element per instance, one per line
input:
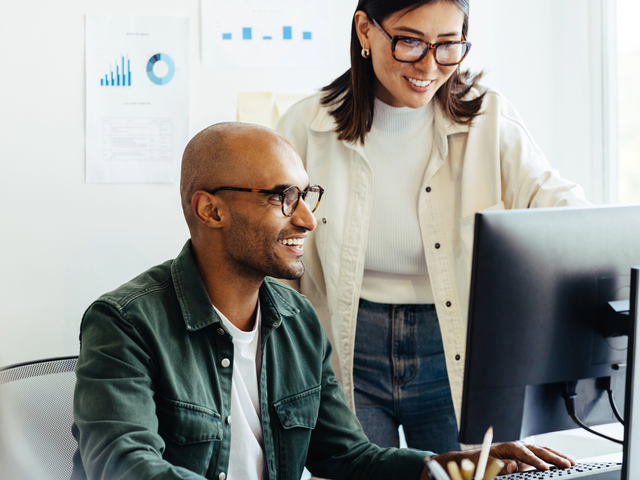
<point x="324" y="220"/>
<point x="225" y="362"/>
<point x="448" y="304"/>
<point x="428" y="189"/>
<point x="229" y="420"/>
<point x="222" y="476"/>
<point x="437" y="245"/>
<point x="457" y="357"/>
<point x="220" y="331"/>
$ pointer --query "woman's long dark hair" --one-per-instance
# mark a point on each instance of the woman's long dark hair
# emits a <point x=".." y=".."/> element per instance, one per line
<point x="351" y="98"/>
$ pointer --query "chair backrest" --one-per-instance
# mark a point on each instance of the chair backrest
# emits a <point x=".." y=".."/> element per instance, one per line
<point x="37" y="399"/>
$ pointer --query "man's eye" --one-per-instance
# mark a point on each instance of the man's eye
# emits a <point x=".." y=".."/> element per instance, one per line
<point x="275" y="200"/>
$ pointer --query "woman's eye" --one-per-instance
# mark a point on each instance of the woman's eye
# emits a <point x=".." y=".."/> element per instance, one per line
<point x="409" y="42"/>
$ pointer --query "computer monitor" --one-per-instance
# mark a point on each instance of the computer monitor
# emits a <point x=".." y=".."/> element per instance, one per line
<point x="631" y="463"/>
<point x="539" y="317"/>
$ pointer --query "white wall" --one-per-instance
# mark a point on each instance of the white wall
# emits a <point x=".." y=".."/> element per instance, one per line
<point x="545" y="56"/>
<point x="63" y="242"/>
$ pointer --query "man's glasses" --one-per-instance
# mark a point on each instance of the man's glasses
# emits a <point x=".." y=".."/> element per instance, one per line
<point x="412" y="50"/>
<point x="288" y="198"/>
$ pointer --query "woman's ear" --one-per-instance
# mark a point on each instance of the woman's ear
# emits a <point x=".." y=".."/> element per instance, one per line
<point x="363" y="28"/>
<point x="209" y="209"/>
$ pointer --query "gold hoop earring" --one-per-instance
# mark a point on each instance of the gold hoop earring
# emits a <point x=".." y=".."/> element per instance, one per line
<point x="365" y="53"/>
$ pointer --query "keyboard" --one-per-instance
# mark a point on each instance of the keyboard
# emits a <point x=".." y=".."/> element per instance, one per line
<point x="593" y="471"/>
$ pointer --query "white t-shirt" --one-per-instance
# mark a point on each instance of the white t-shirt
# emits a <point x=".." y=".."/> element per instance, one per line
<point x="246" y="459"/>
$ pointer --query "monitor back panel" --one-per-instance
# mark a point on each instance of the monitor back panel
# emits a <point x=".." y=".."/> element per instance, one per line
<point x="541" y="281"/>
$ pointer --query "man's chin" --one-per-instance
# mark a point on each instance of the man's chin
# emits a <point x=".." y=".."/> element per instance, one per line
<point x="291" y="273"/>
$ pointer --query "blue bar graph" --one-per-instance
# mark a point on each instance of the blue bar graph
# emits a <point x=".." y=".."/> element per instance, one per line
<point x="247" y="34"/>
<point x="122" y="77"/>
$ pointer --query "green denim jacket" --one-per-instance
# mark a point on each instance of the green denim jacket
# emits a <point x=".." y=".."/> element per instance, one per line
<point x="152" y="394"/>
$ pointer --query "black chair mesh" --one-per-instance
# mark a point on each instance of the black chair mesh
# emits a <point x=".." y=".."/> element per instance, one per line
<point x="39" y="399"/>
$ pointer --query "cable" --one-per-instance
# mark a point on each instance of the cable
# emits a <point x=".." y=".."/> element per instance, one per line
<point x="612" y="401"/>
<point x="606" y="383"/>
<point x="569" y="394"/>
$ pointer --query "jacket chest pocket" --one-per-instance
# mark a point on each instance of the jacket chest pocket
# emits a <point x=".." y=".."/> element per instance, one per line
<point x="298" y="415"/>
<point x="192" y="434"/>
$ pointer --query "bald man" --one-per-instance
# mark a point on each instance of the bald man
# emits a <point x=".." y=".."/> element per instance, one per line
<point x="202" y="367"/>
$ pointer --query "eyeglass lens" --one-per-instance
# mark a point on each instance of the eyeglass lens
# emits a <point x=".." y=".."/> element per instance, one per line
<point x="291" y="196"/>
<point x="410" y="49"/>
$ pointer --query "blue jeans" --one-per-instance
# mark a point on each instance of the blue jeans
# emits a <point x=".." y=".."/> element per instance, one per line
<point x="400" y="377"/>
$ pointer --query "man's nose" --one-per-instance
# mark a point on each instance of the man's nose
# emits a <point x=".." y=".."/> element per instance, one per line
<point x="302" y="216"/>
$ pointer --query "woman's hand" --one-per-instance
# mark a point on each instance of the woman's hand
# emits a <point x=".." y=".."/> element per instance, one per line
<point x="517" y="456"/>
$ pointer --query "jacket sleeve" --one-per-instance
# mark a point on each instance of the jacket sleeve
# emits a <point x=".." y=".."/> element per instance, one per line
<point x="529" y="179"/>
<point x="339" y="448"/>
<point x="114" y="410"/>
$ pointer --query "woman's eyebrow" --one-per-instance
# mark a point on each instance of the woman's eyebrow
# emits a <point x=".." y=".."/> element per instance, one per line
<point x="418" y="32"/>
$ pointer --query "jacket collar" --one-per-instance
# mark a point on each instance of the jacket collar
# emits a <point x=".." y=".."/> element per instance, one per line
<point x="195" y="304"/>
<point x="444" y="126"/>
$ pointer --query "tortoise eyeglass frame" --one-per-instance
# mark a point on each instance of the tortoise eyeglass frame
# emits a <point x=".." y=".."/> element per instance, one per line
<point x="281" y="194"/>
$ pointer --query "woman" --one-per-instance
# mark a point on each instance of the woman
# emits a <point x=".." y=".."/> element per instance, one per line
<point x="409" y="148"/>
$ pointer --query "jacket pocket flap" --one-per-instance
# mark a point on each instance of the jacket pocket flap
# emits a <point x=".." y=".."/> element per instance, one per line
<point x="299" y="410"/>
<point x="186" y="423"/>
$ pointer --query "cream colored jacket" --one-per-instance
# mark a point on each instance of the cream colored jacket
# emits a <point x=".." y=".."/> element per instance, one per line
<point x="491" y="165"/>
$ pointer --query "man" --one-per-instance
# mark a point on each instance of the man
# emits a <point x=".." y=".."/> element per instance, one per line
<point x="204" y="367"/>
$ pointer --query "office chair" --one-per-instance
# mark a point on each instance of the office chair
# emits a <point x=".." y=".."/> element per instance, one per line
<point x="37" y="403"/>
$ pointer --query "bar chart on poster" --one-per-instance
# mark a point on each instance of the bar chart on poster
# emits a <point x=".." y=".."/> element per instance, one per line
<point x="266" y="33"/>
<point x="137" y="98"/>
<point x="121" y="77"/>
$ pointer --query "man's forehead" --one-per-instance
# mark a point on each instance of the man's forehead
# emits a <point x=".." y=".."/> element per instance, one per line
<point x="272" y="161"/>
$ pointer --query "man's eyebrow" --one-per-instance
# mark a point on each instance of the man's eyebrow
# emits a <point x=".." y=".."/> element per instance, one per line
<point x="422" y="34"/>
<point x="284" y="186"/>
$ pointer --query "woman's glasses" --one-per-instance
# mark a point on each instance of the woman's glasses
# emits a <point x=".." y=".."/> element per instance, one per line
<point x="412" y="50"/>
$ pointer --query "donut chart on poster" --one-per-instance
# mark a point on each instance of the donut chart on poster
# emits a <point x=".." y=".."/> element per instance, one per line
<point x="170" y="72"/>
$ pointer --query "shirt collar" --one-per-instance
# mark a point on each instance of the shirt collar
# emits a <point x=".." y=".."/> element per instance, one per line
<point x="324" y="122"/>
<point x="195" y="304"/>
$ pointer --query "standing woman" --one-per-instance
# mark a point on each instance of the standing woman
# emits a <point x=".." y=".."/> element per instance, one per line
<point x="409" y="149"/>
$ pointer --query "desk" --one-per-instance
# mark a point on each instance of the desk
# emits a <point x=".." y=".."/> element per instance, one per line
<point x="585" y="446"/>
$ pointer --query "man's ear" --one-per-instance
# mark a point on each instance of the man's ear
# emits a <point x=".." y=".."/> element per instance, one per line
<point x="209" y="209"/>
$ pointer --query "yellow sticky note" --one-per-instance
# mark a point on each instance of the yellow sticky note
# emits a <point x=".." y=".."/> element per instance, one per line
<point x="285" y="100"/>
<point x="256" y="107"/>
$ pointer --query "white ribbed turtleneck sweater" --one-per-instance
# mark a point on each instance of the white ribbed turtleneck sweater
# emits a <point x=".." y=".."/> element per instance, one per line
<point x="398" y="148"/>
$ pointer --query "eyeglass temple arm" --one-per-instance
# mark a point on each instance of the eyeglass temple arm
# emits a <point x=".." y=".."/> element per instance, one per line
<point x="386" y="35"/>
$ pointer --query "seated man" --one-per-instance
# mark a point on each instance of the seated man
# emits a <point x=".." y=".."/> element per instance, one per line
<point x="204" y="367"/>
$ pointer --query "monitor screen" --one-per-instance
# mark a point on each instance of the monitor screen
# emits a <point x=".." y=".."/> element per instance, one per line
<point x="539" y="315"/>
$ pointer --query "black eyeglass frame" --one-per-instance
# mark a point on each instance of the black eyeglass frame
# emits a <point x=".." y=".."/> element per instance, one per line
<point x="430" y="46"/>
<point x="281" y="193"/>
